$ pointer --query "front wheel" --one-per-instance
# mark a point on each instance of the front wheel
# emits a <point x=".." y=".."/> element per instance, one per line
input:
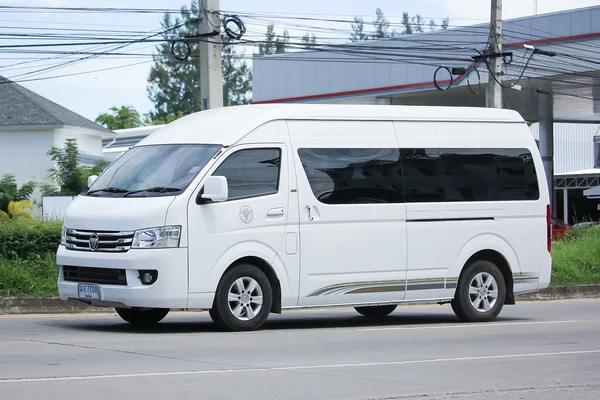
<point x="376" y="311"/>
<point x="243" y="299"/>
<point x="142" y="317"/>
<point x="480" y="293"/>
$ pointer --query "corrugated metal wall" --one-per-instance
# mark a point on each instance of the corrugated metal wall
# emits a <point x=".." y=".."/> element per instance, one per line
<point x="573" y="146"/>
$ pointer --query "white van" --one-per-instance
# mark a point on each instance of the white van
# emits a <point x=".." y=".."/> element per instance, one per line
<point x="249" y="210"/>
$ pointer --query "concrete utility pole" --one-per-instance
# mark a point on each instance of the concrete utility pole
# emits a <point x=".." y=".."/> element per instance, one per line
<point x="211" y="80"/>
<point x="494" y="94"/>
<point x="535" y="9"/>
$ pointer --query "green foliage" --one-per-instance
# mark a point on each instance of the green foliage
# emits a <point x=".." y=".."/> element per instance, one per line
<point x="237" y="78"/>
<point x="69" y="177"/>
<point x="309" y="40"/>
<point x="23" y="239"/>
<point x="576" y="258"/>
<point x="174" y="85"/>
<point x="273" y="43"/>
<point x="381" y="26"/>
<point x="120" y="118"/>
<point x="32" y="277"/>
<point x="10" y="192"/>
<point x="358" y="30"/>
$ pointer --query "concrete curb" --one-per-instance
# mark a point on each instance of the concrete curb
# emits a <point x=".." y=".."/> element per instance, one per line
<point x="11" y="306"/>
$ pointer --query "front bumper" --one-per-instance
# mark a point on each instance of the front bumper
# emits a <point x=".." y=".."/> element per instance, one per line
<point x="169" y="291"/>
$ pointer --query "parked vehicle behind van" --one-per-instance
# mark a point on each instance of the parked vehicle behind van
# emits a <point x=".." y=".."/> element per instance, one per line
<point x="250" y="210"/>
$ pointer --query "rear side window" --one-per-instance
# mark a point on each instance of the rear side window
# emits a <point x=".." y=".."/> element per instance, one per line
<point x="354" y="176"/>
<point x="251" y="173"/>
<point x="488" y="175"/>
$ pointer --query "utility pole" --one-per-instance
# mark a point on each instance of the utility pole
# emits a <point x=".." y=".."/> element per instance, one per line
<point x="211" y="80"/>
<point x="535" y="7"/>
<point x="494" y="94"/>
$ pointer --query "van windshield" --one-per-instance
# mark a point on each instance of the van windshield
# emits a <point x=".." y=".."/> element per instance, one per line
<point x="148" y="171"/>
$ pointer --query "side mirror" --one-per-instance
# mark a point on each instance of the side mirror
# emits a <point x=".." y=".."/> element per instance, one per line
<point x="215" y="189"/>
<point x="91" y="180"/>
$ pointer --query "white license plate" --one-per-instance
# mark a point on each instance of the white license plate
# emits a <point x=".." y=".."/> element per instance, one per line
<point x="88" y="291"/>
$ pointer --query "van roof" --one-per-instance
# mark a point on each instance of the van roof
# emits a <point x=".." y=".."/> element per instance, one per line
<point x="228" y="125"/>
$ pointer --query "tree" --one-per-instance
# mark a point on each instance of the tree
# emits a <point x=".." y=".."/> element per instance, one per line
<point x="68" y="176"/>
<point x="415" y="24"/>
<point x="120" y="118"/>
<point x="358" y="30"/>
<point x="273" y="43"/>
<point x="13" y="198"/>
<point x="309" y="41"/>
<point x="381" y="25"/>
<point x="406" y="22"/>
<point x="237" y="78"/>
<point x="418" y="24"/>
<point x="432" y="25"/>
<point x="174" y="83"/>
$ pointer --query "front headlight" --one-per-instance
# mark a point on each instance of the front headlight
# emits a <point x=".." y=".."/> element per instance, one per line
<point x="157" y="238"/>
<point x="63" y="237"/>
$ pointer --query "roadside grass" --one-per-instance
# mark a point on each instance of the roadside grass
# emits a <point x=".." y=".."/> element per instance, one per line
<point x="576" y="258"/>
<point x="35" y="276"/>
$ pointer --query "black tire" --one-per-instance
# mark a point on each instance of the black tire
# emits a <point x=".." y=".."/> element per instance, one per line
<point x="223" y="315"/>
<point x="462" y="305"/>
<point x="376" y="311"/>
<point x="142" y="317"/>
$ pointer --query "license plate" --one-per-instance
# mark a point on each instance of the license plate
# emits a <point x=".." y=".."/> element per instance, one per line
<point x="88" y="291"/>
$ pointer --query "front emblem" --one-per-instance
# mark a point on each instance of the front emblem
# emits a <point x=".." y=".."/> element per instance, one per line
<point x="246" y="214"/>
<point x="94" y="242"/>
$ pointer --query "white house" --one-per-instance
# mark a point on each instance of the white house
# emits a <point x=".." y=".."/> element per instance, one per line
<point x="31" y="124"/>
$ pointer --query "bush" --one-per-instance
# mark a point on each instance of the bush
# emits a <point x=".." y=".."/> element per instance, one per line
<point x="29" y="239"/>
<point x="576" y="258"/>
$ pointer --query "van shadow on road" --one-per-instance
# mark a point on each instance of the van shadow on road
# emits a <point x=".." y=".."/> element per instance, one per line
<point x="201" y="323"/>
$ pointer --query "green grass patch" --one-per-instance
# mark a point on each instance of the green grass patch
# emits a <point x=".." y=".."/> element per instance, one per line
<point x="576" y="259"/>
<point x="35" y="276"/>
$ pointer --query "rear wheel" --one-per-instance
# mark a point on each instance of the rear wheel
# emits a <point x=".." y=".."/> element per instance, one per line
<point x="243" y="299"/>
<point x="376" y="311"/>
<point x="142" y="317"/>
<point x="480" y="293"/>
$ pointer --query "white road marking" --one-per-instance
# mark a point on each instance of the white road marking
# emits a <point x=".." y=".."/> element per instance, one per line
<point x="462" y="326"/>
<point x="297" y="368"/>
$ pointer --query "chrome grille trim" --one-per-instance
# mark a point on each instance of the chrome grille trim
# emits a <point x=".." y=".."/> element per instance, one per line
<point x="108" y="241"/>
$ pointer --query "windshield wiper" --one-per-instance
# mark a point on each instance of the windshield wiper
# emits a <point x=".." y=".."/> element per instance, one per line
<point x="109" y="189"/>
<point x="156" y="189"/>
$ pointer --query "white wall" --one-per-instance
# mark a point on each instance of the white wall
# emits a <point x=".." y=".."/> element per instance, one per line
<point x="88" y="142"/>
<point x="573" y="146"/>
<point x="23" y="153"/>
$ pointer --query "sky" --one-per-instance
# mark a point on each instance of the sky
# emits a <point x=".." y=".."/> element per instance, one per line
<point x="93" y="93"/>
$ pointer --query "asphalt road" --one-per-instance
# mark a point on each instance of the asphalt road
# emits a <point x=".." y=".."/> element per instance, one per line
<point x="548" y="350"/>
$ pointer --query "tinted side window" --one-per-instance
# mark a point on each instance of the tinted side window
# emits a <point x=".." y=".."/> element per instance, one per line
<point x="516" y="175"/>
<point x="488" y="175"/>
<point x="422" y="175"/>
<point x="251" y="173"/>
<point x="354" y="176"/>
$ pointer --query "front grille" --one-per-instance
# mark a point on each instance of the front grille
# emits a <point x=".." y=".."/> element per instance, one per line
<point x="101" y="276"/>
<point x="114" y="242"/>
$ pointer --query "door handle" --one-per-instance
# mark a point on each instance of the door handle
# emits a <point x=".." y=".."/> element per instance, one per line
<point x="275" y="212"/>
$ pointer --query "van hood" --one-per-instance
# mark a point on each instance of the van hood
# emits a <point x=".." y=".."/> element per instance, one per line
<point x="117" y="213"/>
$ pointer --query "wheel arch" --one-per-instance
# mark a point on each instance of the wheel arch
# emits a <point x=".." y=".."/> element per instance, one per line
<point x="500" y="261"/>
<point x="268" y="270"/>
